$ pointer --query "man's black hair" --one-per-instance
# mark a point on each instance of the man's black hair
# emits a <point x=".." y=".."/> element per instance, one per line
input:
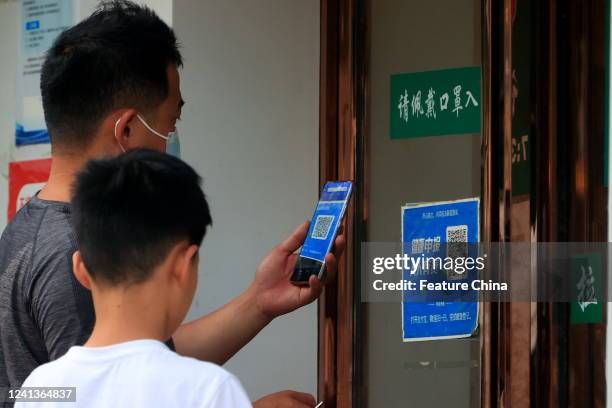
<point x="131" y="210"/>
<point x="117" y="57"/>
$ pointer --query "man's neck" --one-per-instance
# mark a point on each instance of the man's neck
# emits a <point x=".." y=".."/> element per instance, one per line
<point x="61" y="177"/>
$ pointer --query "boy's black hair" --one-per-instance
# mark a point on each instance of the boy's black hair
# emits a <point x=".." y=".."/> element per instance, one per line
<point x="117" y="57"/>
<point x="129" y="211"/>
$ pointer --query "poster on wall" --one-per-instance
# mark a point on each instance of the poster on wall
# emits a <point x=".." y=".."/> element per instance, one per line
<point x="440" y="230"/>
<point x="41" y="21"/>
<point x="26" y="178"/>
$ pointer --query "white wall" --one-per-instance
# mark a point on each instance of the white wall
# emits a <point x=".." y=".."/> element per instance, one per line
<point x="250" y="128"/>
<point x="8" y="67"/>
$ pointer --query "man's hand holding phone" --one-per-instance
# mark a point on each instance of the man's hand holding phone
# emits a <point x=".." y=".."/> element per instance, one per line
<point x="275" y="294"/>
<point x="325" y="225"/>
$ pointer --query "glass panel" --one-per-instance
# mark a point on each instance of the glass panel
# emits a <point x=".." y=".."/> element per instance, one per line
<point x="407" y="37"/>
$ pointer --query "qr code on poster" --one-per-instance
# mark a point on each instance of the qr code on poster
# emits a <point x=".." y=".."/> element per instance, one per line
<point x="456" y="241"/>
<point x="456" y="247"/>
<point x="322" y="226"/>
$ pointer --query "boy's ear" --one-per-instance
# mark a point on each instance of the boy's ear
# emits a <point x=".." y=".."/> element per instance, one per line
<point x="182" y="259"/>
<point x="185" y="258"/>
<point x="80" y="271"/>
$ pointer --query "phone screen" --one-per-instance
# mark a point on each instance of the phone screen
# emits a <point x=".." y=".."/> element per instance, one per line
<point x="322" y="232"/>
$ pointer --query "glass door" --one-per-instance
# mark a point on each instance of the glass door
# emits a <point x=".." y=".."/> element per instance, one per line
<point x="406" y="37"/>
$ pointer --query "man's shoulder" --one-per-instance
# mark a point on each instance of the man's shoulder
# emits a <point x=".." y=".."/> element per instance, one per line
<point x="41" y="224"/>
<point x="36" y="250"/>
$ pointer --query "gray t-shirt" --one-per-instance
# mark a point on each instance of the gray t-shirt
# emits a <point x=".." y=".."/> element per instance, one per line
<point x="44" y="310"/>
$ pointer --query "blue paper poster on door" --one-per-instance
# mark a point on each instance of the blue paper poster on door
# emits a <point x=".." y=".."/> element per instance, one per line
<point x="430" y="231"/>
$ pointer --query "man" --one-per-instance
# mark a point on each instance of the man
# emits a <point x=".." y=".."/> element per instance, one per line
<point x="111" y="84"/>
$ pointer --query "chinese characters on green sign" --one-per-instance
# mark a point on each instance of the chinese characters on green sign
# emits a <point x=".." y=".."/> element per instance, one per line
<point x="433" y="103"/>
<point x="587" y="285"/>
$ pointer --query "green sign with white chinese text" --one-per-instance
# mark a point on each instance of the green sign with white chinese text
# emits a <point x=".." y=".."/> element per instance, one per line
<point x="433" y="103"/>
<point x="587" y="285"/>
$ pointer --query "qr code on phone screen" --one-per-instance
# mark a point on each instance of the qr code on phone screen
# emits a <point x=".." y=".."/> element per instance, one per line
<point x="322" y="226"/>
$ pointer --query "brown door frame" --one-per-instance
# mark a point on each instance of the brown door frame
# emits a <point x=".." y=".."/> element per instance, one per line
<point x="340" y="142"/>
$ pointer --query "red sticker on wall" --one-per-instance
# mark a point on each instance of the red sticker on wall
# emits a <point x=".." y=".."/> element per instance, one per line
<point x="26" y="178"/>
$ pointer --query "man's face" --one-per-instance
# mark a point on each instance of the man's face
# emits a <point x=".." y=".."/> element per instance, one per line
<point x="163" y="120"/>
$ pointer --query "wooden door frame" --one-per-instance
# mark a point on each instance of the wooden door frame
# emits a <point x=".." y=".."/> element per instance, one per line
<point x="340" y="144"/>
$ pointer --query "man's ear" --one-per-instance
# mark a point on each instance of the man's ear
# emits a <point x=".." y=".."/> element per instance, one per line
<point x="121" y="128"/>
<point x="80" y="271"/>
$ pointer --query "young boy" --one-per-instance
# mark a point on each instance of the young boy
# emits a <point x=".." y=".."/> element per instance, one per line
<point x="140" y="219"/>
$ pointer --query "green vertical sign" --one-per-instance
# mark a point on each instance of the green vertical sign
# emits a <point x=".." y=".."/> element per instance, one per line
<point x="587" y="284"/>
<point x="434" y="103"/>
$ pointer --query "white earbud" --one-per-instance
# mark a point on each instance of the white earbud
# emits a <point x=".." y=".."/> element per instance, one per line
<point x="116" y="138"/>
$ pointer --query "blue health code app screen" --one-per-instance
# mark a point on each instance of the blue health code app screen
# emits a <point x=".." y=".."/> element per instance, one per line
<point x="326" y="220"/>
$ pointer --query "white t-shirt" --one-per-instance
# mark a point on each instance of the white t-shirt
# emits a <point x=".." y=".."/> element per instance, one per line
<point x="139" y="373"/>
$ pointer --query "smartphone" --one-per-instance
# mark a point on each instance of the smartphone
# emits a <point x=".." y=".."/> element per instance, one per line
<point x="323" y="229"/>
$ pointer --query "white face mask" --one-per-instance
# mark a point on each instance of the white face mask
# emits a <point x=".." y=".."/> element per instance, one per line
<point x="173" y="146"/>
